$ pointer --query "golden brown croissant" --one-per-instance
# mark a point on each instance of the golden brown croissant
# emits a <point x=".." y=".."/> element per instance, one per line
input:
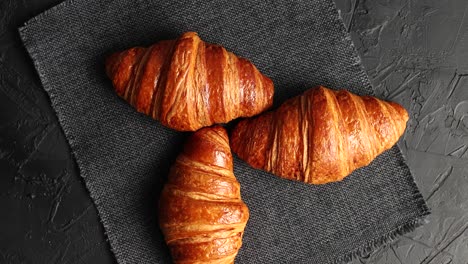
<point x="201" y="213"/>
<point x="320" y="136"/>
<point x="187" y="83"/>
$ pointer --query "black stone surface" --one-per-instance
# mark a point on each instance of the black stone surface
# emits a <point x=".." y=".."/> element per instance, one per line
<point x="46" y="214"/>
<point x="416" y="53"/>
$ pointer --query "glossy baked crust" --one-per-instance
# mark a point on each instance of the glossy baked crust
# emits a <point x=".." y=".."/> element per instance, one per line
<point x="320" y="136"/>
<point x="201" y="213"/>
<point x="187" y="83"/>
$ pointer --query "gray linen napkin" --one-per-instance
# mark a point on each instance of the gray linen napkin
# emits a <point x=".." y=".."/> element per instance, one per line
<point x="124" y="156"/>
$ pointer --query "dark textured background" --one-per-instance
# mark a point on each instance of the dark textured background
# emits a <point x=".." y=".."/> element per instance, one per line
<point x="416" y="53"/>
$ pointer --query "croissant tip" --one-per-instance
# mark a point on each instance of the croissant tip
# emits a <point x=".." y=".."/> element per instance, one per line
<point x="220" y="129"/>
<point x="401" y="111"/>
<point x="189" y="34"/>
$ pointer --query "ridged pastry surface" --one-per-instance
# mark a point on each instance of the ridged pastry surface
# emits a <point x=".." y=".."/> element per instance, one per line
<point x="188" y="84"/>
<point x="201" y="213"/>
<point x="320" y="136"/>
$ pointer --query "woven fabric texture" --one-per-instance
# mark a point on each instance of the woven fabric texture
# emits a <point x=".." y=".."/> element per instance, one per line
<point x="124" y="157"/>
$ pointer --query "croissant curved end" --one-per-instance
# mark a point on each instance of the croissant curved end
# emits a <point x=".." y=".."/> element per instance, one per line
<point x="119" y="68"/>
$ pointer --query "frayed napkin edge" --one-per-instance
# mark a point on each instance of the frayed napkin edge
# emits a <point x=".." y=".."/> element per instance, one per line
<point x="419" y="220"/>
<point x="390" y="237"/>
<point x="33" y="52"/>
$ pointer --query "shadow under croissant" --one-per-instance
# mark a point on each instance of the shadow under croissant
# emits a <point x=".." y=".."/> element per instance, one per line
<point x="151" y="194"/>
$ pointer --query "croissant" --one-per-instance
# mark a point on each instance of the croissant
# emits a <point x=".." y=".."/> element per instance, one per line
<point x="201" y="213"/>
<point x="320" y="136"/>
<point x="188" y="84"/>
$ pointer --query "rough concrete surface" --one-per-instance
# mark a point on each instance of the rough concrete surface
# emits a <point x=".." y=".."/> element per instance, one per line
<point x="415" y="52"/>
<point x="46" y="214"/>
